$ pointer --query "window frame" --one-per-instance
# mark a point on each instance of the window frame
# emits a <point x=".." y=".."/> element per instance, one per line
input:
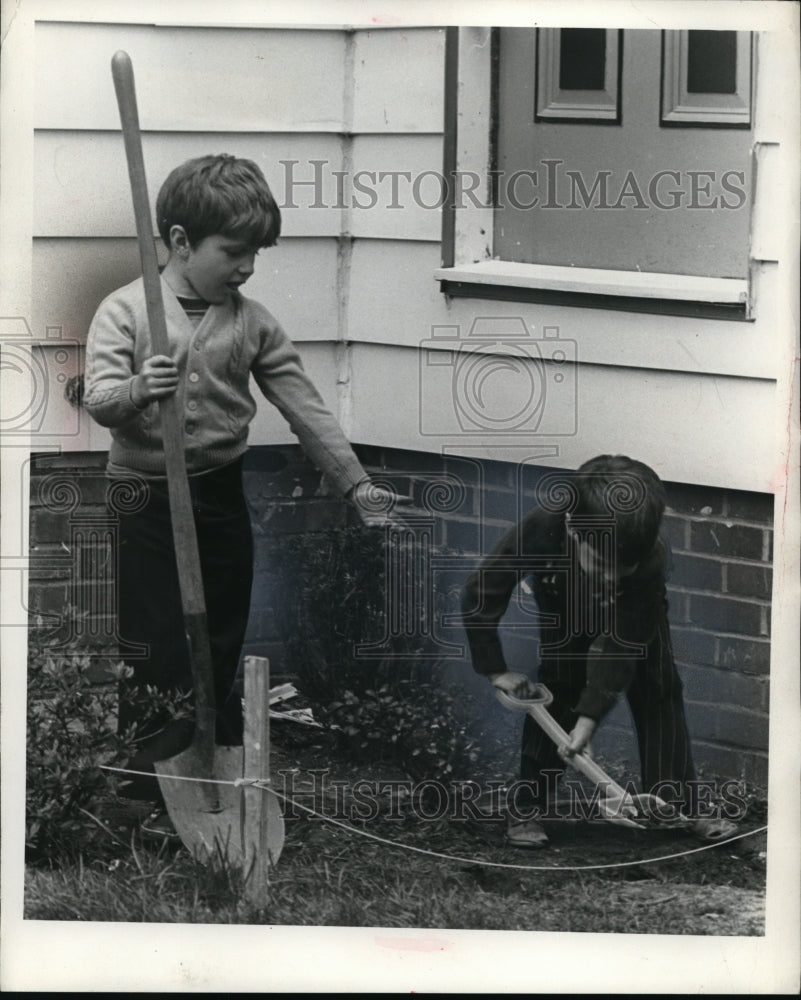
<point x="468" y="267"/>
<point x="552" y="104"/>
<point x="680" y="108"/>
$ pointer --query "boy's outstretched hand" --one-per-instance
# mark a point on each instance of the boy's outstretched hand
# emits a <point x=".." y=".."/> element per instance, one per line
<point x="376" y="504"/>
<point x="158" y="378"/>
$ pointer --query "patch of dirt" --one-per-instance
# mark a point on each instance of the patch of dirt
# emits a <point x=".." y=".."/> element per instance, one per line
<point x="713" y="909"/>
<point x="305" y="764"/>
<point x="624" y="880"/>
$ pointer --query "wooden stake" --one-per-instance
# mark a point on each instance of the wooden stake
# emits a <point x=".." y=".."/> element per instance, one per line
<point x="259" y="805"/>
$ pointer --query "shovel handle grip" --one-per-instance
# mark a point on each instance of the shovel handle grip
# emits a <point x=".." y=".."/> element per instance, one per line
<point x="183" y="524"/>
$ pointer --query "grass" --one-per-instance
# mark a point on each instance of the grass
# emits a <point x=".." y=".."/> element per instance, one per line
<point x="327" y="876"/>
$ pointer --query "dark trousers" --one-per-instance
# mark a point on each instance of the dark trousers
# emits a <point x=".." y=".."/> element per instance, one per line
<point x="151" y="614"/>
<point x="657" y="707"/>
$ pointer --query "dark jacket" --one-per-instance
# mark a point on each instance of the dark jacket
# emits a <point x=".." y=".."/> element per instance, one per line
<point x="609" y="627"/>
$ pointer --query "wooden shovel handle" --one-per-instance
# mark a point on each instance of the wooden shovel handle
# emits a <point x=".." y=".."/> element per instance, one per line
<point x="183" y="525"/>
<point x="536" y="706"/>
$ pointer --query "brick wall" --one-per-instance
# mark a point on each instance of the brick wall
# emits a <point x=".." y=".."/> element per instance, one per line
<point x="71" y="599"/>
<point x="719" y="590"/>
<point x="720" y="594"/>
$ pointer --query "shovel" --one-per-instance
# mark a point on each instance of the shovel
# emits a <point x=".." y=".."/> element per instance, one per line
<point x="618" y="805"/>
<point x="205" y="805"/>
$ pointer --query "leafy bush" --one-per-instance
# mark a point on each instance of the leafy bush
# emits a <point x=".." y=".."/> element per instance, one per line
<point x="397" y="707"/>
<point x="71" y="731"/>
<point x="331" y="586"/>
<point x="412" y="724"/>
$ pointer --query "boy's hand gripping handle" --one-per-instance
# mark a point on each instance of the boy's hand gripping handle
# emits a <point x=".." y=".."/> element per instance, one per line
<point x="183" y="525"/>
<point x="617" y="806"/>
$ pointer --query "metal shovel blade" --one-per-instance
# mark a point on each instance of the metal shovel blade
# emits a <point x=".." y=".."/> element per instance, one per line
<point x="209" y="817"/>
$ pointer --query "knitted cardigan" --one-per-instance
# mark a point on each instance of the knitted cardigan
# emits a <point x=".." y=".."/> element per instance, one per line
<point x="215" y="361"/>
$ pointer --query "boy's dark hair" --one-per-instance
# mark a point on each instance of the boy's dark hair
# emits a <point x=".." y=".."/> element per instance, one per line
<point x="632" y="493"/>
<point x="219" y="195"/>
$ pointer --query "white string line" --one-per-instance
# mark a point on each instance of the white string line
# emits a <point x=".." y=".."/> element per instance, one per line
<point x="501" y="864"/>
<point x="237" y="782"/>
<point x="255" y="782"/>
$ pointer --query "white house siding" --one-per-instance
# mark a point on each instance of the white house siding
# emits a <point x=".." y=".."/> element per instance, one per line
<point x="193" y="79"/>
<point x="248" y="91"/>
<point x="694" y="398"/>
<point x="690" y="396"/>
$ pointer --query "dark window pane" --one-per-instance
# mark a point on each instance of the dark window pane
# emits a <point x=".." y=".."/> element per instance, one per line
<point x="582" y="58"/>
<point x="712" y="62"/>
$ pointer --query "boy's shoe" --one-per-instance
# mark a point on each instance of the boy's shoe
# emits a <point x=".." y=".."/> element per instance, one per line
<point x="525" y="833"/>
<point x="158" y="827"/>
<point x="713" y="828"/>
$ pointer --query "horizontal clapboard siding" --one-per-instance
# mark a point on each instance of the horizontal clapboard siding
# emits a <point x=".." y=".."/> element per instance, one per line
<point x="398" y="187"/>
<point x="82" y="182"/>
<point x="248" y="92"/>
<point x="393" y="299"/>
<point x="312" y="107"/>
<point x="410" y="304"/>
<point x="297" y="281"/>
<point x="82" y="185"/>
<point x="318" y="109"/>
<point x="243" y="79"/>
<point x="53" y="423"/>
<point x="397" y="79"/>
<point x="417" y="407"/>
<point x="191" y="79"/>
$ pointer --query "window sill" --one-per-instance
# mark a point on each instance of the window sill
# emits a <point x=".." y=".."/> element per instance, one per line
<point x="676" y="294"/>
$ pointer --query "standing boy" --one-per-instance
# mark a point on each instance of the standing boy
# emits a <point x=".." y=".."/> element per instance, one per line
<point x="593" y="558"/>
<point x="214" y="214"/>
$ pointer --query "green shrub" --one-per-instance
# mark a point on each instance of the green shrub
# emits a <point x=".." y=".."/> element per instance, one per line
<point x="399" y="707"/>
<point x="410" y="723"/>
<point x="71" y="731"/>
<point x="331" y="598"/>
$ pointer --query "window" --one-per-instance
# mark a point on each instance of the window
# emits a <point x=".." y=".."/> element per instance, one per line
<point x="577" y="74"/>
<point x="706" y="78"/>
<point x="586" y="192"/>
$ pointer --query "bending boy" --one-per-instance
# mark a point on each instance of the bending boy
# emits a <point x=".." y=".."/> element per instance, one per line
<point x="594" y="560"/>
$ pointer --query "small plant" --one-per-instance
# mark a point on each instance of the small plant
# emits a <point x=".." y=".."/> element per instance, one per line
<point x="398" y="707"/>
<point x="411" y="723"/>
<point x="71" y="731"/>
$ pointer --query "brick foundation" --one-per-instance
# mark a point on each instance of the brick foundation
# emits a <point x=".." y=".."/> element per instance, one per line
<point x="719" y="590"/>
